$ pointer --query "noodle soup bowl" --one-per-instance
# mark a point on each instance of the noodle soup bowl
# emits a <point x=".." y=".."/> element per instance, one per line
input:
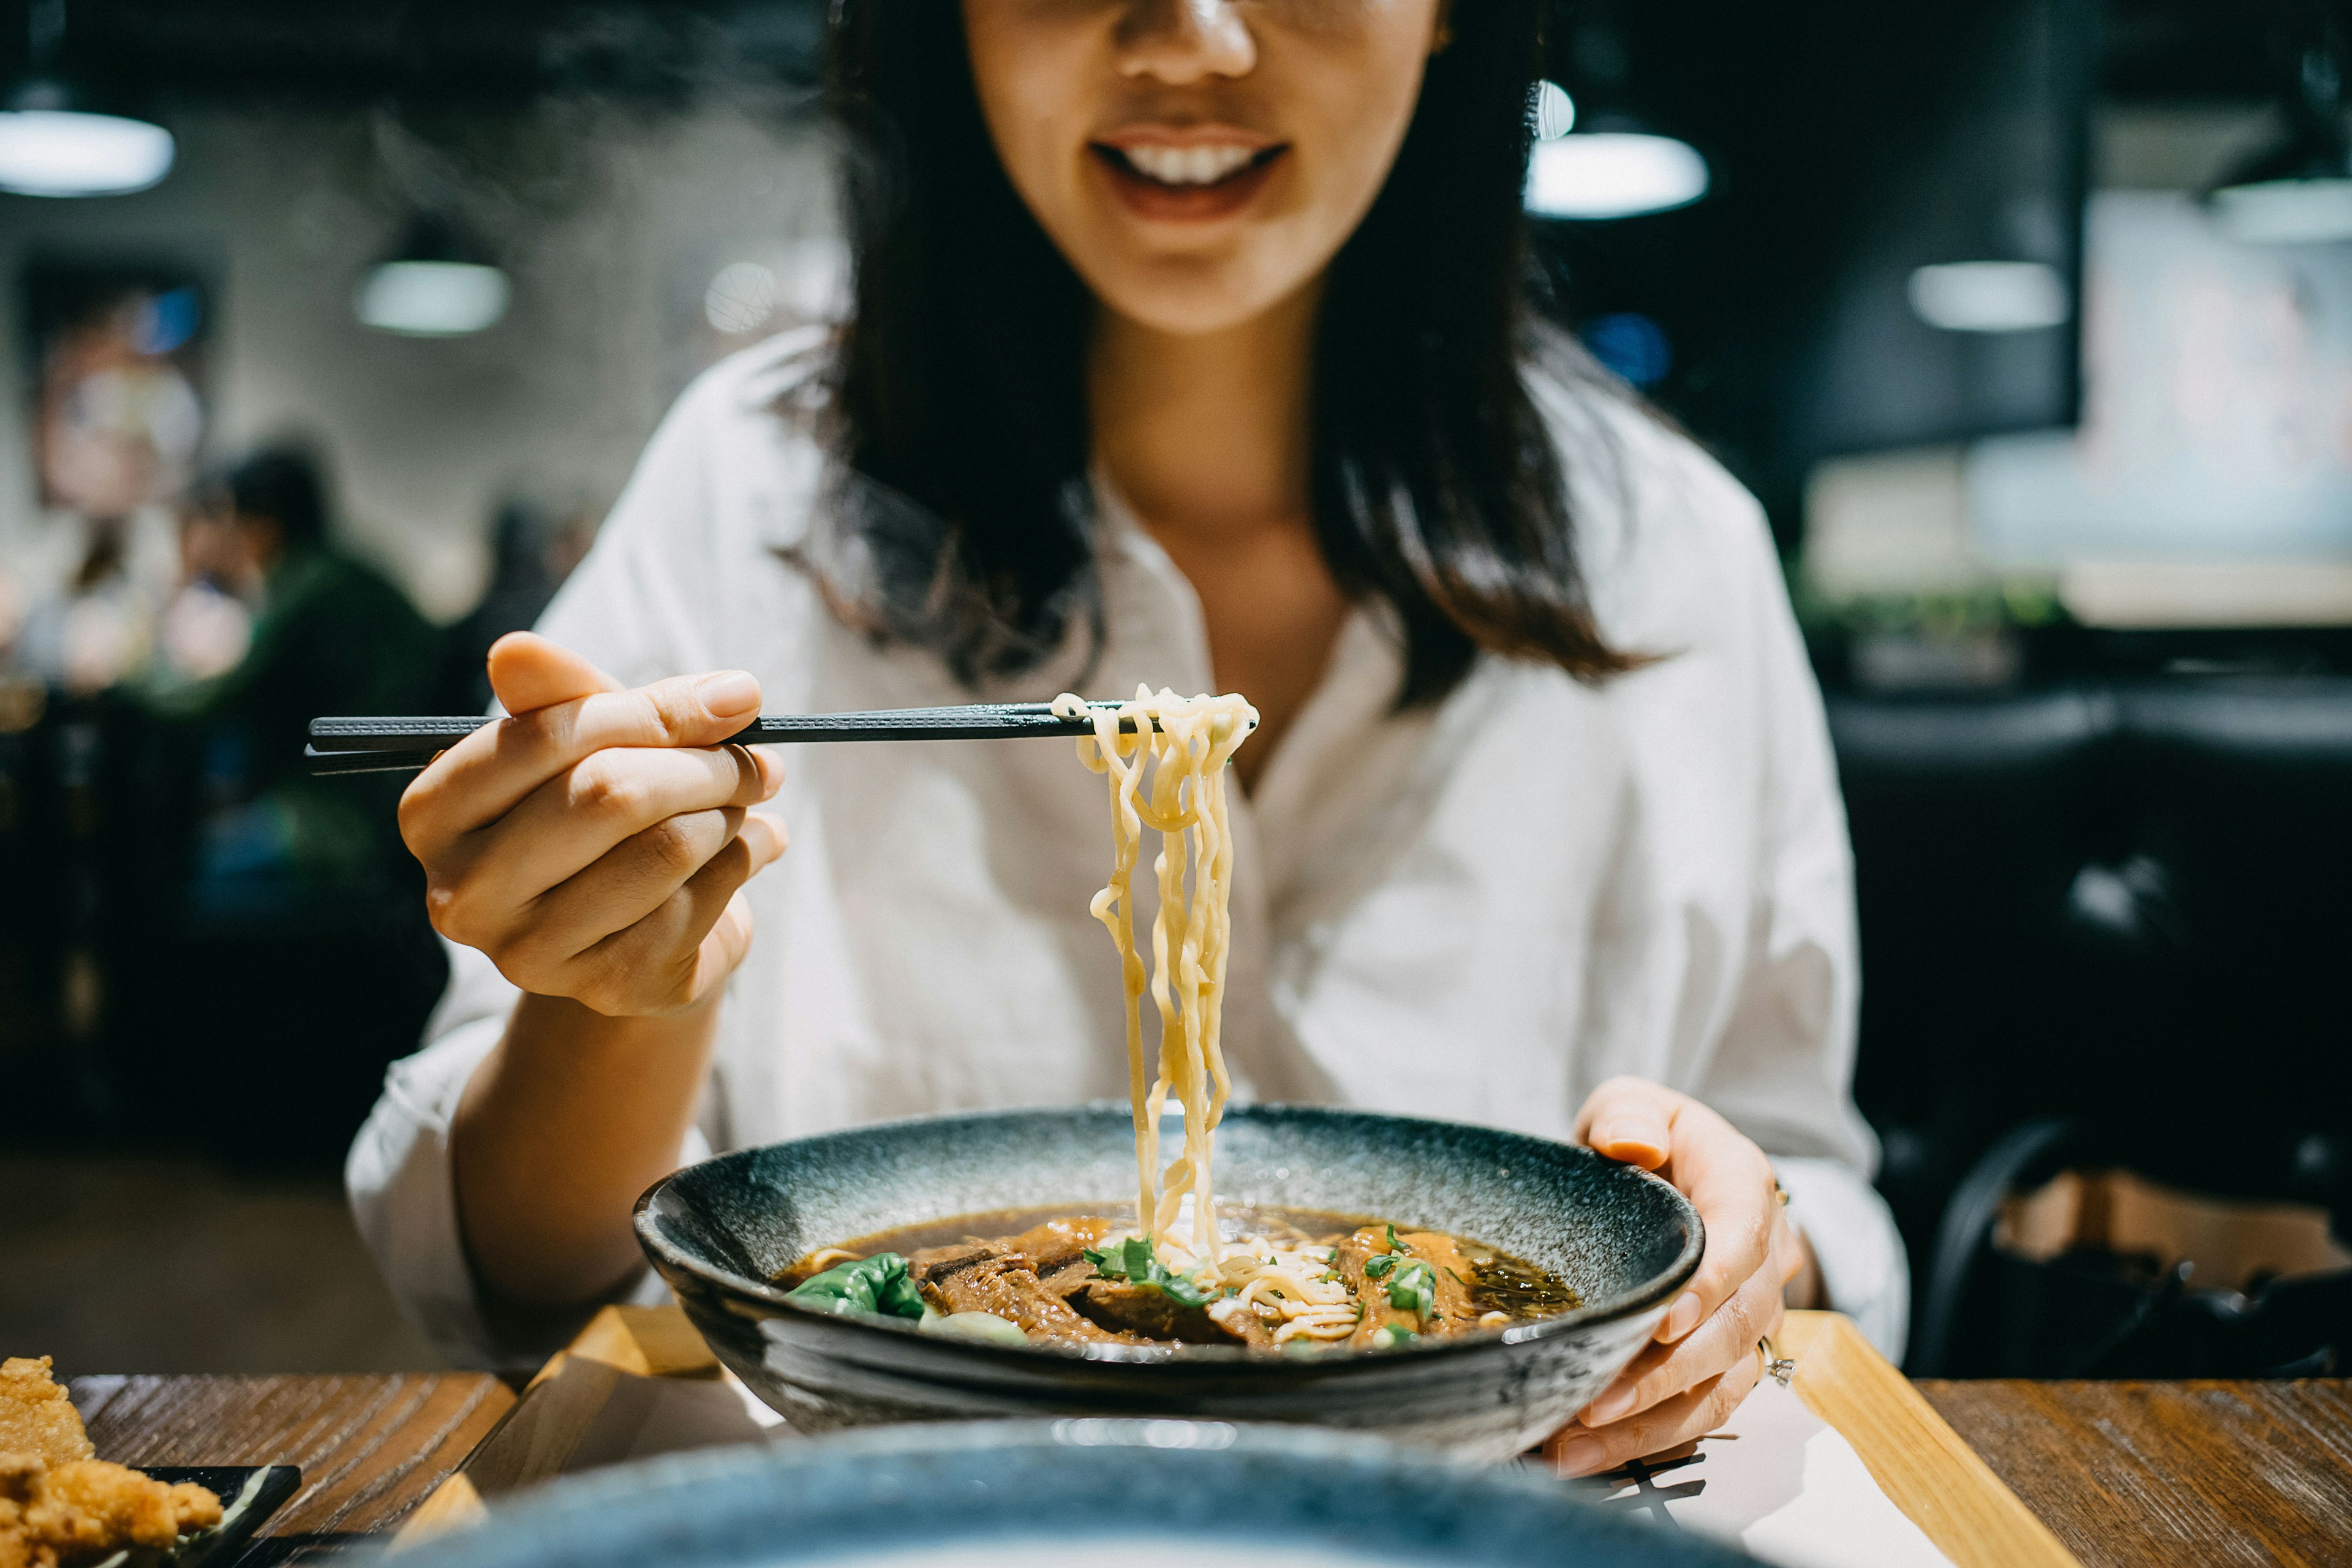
<point x="719" y="1232"/>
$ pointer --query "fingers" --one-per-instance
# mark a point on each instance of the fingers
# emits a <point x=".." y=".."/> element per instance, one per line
<point x="637" y="878"/>
<point x="1730" y="1182"/>
<point x="630" y="881"/>
<point x="1584" y="1451"/>
<point x="1725" y="1175"/>
<point x="1662" y="1373"/>
<point x="487" y="884"/>
<point x="528" y="672"/>
<point x="490" y="771"/>
<point x="1630" y="1119"/>
<point x="675" y="955"/>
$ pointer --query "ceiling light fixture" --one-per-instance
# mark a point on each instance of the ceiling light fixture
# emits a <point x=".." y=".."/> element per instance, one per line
<point x="1554" y="111"/>
<point x="1990" y="296"/>
<point x="437" y="284"/>
<point x="54" y="144"/>
<point x="2297" y="190"/>
<point x="1613" y="174"/>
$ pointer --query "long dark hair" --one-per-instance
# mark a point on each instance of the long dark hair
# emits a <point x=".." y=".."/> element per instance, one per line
<point x="958" y="395"/>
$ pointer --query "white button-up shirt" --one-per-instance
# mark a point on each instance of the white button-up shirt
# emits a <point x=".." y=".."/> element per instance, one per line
<point x="1476" y="911"/>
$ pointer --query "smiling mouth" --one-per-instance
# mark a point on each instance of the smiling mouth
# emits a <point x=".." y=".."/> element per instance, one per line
<point x="1188" y="169"/>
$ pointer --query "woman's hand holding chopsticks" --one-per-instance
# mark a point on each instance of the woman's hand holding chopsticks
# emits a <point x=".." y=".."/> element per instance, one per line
<point x="594" y="845"/>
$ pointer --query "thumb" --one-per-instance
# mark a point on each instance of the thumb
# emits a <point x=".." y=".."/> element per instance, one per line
<point x="527" y="672"/>
<point x="1630" y="1119"/>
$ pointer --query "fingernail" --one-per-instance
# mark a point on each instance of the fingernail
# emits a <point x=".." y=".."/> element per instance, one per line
<point x="1637" y="1139"/>
<point x="1617" y="1401"/>
<point x="730" y="692"/>
<point x="1578" y="1456"/>
<point x="1682" y="1318"/>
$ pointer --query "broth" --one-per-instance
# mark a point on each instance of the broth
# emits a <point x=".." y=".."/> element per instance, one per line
<point x="1319" y="1280"/>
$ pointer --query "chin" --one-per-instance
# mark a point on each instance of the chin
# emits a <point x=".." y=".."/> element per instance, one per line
<point x="1189" y="298"/>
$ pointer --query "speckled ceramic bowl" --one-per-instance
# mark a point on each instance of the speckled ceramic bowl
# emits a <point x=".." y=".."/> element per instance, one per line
<point x="1139" y="1493"/>
<point x="719" y="1231"/>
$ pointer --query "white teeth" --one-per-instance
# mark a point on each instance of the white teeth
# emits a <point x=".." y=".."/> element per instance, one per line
<point x="1202" y="164"/>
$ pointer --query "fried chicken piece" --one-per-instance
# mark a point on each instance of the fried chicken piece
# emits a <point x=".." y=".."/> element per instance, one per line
<point x="62" y="1508"/>
<point x="119" y="1507"/>
<point x="36" y="1418"/>
<point x="88" y="1509"/>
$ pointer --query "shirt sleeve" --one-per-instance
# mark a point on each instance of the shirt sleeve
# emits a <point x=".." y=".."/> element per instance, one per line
<point x="628" y="609"/>
<point x="1783" y="1071"/>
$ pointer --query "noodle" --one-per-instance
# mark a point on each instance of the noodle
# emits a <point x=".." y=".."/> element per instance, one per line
<point x="1183" y="745"/>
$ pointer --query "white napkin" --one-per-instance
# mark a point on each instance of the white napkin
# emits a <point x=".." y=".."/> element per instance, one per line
<point x="1777" y="1481"/>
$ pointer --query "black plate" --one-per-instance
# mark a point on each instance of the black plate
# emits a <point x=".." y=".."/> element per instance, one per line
<point x="249" y="1494"/>
<point x="1624" y="1239"/>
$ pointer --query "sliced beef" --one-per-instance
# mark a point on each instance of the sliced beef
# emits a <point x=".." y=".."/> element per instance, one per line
<point x="1057" y="1243"/>
<point x="1069" y="1278"/>
<point x="1011" y="1291"/>
<point x="1452" y="1271"/>
<point x="1022" y="1278"/>
<point x="1043" y="1250"/>
<point x="934" y="1264"/>
<point x="1456" y="1277"/>
<point x="1133" y="1309"/>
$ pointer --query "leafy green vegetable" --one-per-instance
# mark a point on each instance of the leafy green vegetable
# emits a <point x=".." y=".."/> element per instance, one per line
<point x="985" y="1327"/>
<point x="1136" y="1261"/>
<point x="1414" y="1289"/>
<point x="879" y="1284"/>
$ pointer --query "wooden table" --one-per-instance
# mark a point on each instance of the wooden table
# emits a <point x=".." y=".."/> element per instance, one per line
<point x="2123" y="1473"/>
<point x="2202" y="1473"/>
<point x="371" y="1447"/>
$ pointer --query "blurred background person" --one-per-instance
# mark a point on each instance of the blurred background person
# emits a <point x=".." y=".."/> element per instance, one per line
<point x="532" y="550"/>
<point x="326" y="632"/>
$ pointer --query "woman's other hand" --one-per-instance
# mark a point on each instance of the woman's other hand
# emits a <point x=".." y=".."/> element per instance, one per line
<point x="1703" y="1359"/>
<point x="595" y="843"/>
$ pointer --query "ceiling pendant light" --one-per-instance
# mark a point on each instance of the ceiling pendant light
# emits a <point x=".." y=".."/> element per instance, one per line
<point x="438" y="283"/>
<point x="1990" y="296"/>
<point x="54" y="144"/>
<point x="2298" y="190"/>
<point x="1616" y="169"/>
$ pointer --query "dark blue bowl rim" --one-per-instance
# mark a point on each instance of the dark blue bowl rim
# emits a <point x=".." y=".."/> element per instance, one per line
<point x="1625" y="1304"/>
<point x="628" y="1501"/>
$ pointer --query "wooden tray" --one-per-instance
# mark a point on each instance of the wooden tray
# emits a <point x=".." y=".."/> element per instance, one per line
<point x="1917" y="1460"/>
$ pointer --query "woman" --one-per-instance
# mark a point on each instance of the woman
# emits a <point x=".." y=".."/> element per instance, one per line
<point x="1188" y="349"/>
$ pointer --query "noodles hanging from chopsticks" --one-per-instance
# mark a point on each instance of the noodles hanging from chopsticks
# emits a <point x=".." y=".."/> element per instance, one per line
<point x="1169" y="775"/>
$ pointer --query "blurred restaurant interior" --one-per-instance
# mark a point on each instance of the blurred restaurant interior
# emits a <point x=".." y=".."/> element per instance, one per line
<point x="2030" y="322"/>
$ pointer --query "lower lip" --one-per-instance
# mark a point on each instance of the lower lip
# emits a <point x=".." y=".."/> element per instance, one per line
<point x="1185" y="204"/>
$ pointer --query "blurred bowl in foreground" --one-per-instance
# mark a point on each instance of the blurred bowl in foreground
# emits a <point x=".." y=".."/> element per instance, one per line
<point x="1151" y="1494"/>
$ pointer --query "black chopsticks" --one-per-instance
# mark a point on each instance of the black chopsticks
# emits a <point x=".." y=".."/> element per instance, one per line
<point x="404" y="745"/>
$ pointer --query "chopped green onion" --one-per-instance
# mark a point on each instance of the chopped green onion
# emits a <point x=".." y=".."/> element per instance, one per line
<point x="1136" y="1262"/>
<point x="1414" y="1290"/>
<point x="1380" y="1266"/>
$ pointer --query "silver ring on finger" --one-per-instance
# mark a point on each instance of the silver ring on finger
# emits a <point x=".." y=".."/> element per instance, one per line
<point x="1777" y="1367"/>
